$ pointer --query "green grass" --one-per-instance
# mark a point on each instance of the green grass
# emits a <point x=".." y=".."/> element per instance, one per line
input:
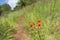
<point x="8" y="25"/>
<point x="50" y="29"/>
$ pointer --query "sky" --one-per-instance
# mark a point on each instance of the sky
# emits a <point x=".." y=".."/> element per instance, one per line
<point x="11" y="3"/>
<point x="3" y="1"/>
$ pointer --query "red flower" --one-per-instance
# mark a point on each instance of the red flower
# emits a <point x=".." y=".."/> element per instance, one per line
<point x="31" y="25"/>
<point x="39" y="24"/>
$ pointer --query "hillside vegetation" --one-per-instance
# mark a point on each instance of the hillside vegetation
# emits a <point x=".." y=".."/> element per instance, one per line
<point x="47" y="11"/>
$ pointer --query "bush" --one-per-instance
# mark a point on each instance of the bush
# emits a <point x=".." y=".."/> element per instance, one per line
<point x="4" y="9"/>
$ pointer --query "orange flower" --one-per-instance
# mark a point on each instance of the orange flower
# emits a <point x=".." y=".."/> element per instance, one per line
<point x="31" y="25"/>
<point x="39" y="24"/>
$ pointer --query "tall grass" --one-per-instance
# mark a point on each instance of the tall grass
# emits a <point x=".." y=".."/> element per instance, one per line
<point x="8" y="25"/>
<point x="50" y="28"/>
<point x="41" y="10"/>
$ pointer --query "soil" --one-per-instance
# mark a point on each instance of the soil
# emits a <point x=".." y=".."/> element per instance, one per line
<point x="21" y="33"/>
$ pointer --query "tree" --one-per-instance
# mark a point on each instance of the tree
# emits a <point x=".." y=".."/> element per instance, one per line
<point x="23" y="3"/>
<point x="5" y="9"/>
<point x="20" y="4"/>
<point x="0" y="11"/>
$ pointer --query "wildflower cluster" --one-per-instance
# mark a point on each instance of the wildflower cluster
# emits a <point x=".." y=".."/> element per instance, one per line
<point x="39" y="24"/>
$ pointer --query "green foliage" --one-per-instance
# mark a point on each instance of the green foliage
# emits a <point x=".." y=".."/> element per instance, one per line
<point x="8" y="25"/>
<point x="20" y="4"/>
<point x="28" y="2"/>
<point x="0" y="10"/>
<point x="50" y="29"/>
<point x="6" y="29"/>
<point x="51" y="23"/>
<point x="4" y="9"/>
<point x="23" y="3"/>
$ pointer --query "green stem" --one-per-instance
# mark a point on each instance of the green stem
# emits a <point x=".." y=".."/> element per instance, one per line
<point x="39" y="35"/>
<point x="32" y="34"/>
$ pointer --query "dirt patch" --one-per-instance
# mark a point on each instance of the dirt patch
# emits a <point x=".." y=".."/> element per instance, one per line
<point x="21" y="33"/>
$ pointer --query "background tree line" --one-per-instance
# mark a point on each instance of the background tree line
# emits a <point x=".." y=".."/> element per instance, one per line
<point x="21" y="3"/>
<point x="4" y="9"/>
